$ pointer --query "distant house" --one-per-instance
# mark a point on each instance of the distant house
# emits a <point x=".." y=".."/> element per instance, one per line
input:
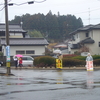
<point x="20" y="43"/>
<point x="15" y="31"/>
<point x="86" y="39"/>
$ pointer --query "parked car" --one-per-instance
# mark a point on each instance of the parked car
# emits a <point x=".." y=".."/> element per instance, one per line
<point x="1" y="63"/>
<point x="27" y="61"/>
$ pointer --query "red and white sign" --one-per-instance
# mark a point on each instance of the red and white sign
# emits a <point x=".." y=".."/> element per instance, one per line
<point x="89" y="65"/>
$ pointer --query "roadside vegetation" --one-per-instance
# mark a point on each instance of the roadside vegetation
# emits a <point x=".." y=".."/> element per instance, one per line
<point x="68" y="61"/>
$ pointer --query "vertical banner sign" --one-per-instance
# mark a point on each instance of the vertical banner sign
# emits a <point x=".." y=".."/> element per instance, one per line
<point x="8" y="53"/>
<point x="59" y="63"/>
<point x="89" y="65"/>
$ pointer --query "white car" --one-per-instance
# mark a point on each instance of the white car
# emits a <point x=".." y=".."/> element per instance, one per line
<point x="27" y="61"/>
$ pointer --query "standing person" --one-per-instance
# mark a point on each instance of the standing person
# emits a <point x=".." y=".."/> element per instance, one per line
<point x="89" y="57"/>
<point x="20" y="62"/>
<point x="89" y="62"/>
<point x="60" y="56"/>
<point x="16" y="61"/>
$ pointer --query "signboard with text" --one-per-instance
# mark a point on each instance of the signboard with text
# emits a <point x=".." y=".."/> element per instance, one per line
<point x="59" y="63"/>
<point x="8" y="53"/>
<point x="89" y="65"/>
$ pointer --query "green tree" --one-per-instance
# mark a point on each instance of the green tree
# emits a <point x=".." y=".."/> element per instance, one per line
<point x="52" y="27"/>
<point x="35" y="33"/>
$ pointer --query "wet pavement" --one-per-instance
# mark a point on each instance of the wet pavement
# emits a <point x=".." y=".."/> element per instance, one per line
<point x="50" y="85"/>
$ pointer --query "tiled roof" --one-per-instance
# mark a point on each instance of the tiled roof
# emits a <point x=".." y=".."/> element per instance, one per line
<point x="86" y="28"/>
<point x="12" y="28"/>
<point x="87" y="40"/>
<point x="25" y="41"/>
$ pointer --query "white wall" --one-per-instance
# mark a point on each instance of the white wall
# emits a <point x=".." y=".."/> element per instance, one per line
<point x="94" y="48"/>
<point x="15" y="35"/>
<point x="39" y="50"/>
<point x="78" y="37"/>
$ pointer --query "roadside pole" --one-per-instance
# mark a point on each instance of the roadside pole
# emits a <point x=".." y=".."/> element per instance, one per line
<point x="7" y="39"/>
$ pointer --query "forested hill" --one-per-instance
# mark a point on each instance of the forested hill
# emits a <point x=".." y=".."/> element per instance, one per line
<point x="53" y="26"/>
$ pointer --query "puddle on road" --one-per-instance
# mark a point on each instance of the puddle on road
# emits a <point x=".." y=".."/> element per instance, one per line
<point x="57" y="83"/>
<point x="88" y="84"/>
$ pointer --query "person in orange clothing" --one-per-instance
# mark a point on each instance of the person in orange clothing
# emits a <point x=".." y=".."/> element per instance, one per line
<point x="20" y="62"/>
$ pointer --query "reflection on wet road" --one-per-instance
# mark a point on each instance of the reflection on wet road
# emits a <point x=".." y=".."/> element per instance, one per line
<point x="50" y="85"/>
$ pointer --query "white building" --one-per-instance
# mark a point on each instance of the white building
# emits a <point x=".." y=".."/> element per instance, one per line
<point x="86" y="39"/>
<point x="19" y="43"/>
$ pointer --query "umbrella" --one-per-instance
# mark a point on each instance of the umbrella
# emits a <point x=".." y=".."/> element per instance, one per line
<point x="57" y="51"/>
<point x="18" y="55"/>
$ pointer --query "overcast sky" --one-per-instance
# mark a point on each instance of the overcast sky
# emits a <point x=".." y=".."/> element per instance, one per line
<point x="85" y="9"/>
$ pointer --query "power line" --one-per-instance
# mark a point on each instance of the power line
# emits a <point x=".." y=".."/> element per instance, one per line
<point x="23" y="3"/>
<point x="40" y="1"/>
<point x="3" y="3"/>
<point x="92" y="19"/>
<point x="11" y="4"/>
<point x="2" y="8"/>
<point x="88" y="11"/>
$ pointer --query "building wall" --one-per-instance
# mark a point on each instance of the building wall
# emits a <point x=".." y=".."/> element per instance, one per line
<point x="82" y="36"/>
<point x="39" y="50"/>
<point x="94" y="48"/>
<point x="73" y="51"/>
<point x="78" y="37"/>
<point x="15" y="35"/>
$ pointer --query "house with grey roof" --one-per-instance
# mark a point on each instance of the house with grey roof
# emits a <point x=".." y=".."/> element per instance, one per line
<point x="15" y="31"/>
<point x="86" y="39"/>
<point x="20" y="42"/>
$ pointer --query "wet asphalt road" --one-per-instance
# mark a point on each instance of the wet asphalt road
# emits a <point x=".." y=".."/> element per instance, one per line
<point x="50" y="85"/>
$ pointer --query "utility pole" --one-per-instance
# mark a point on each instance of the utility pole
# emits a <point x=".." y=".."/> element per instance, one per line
<point x="7" y="39"/>
<point x="89" y="16"/>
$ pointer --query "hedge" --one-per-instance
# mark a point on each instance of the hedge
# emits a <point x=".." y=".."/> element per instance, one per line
<point x="79" y="57"/>
<point x="84" y="57"/>
<point x="67" y="62"/>
<point x="44" y="61"/>
<point x="96" y="57"/>
<point x="96" y="62"/>
<point x="69" y="55"/>
<point x="47" y="61"/>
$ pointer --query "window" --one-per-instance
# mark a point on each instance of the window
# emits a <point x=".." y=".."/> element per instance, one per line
<point x="28" y="58"/>
<point x="30" y="52"/>
<point x="87" y="34"/>
<point x="20" y="52"/>
<point x="24" y="58"/>
<point x="99" y="44"/>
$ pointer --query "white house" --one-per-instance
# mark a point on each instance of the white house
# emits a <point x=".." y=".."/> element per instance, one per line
<point x="20" y="43"/>
<point x="86" y="39"/>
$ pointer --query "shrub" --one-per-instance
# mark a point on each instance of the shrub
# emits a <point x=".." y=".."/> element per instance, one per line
<point x="69" y="55"/>
<point x="72" y="62"/>
<point x="44" y="61"/>
<point x="96" y="57"/>
<point x="96" y="62"/>
<point x="84" y="57"/>
<point x="80" y="57"/>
